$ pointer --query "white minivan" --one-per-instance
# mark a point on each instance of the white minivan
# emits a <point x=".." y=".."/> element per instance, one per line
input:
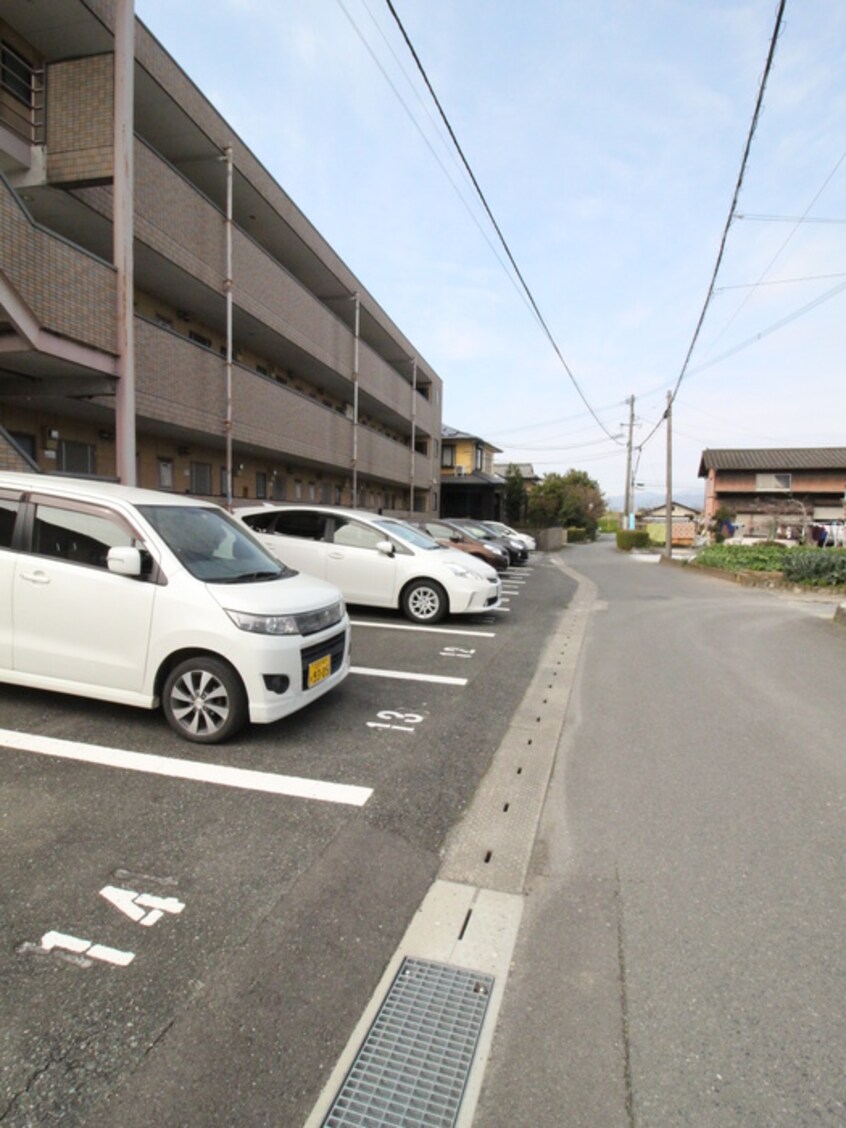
<point x="144" y="598"/>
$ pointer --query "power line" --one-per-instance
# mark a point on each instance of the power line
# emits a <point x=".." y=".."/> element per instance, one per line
<point x="732" y="210"/>
<point x="491" y="217"/>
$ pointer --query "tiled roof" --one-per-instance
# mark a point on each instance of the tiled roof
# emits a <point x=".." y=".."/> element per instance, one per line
<point x="774" y="459"/>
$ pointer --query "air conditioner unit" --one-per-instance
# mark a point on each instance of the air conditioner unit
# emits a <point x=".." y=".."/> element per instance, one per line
<point x="460" y="471"/>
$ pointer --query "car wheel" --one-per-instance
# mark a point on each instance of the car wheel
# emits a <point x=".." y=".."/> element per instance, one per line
<point x="424" y="601"/>
<point x="204" y="700"/>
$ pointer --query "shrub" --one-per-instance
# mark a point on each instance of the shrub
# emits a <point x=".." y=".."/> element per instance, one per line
<point x="817" y="567"/>
<point x="627" y="539"/>
<point x="744" y="557"/>
<point x="576" y="536"/>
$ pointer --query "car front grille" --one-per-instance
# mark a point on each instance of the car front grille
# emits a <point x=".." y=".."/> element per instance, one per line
<point x="334" y="647"/>
<point x="310" y="622"/>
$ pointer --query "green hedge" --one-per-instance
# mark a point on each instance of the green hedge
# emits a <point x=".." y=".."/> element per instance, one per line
<point x="576" y="536"/>
<point x="819" y="567"/>
<point x="627" y="539"/>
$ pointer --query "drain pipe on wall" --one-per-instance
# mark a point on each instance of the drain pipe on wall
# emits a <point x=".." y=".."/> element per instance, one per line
<point x="356" y="337"/>
<point x="123" y="234"/>
<point x="227" y="289"/>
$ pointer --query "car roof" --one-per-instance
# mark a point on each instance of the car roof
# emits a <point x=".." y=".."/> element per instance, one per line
<point x="331" y="510"/>
<point x="95" y="489"/>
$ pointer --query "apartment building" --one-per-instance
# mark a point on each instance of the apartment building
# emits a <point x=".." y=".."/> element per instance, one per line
<point x="253" y="362"/>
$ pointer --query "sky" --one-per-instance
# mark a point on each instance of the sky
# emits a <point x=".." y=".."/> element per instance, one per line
<point x="607" y="138"/>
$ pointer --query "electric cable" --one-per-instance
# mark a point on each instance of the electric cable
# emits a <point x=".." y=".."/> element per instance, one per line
<point x="732" y="210"/>
<point x="496" y="227"/>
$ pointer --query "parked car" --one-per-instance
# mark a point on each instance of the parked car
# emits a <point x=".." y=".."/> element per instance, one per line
<point x="376" y="560"/>
<point x="517" y="551"/>
<point x="506" y="531"/>
<point x="146" y="598"/>
<point x="452" y="536"/>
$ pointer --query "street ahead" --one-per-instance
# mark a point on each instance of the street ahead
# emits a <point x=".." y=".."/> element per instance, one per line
<point x="679" y="924"/>
<point x="681" y="958"/>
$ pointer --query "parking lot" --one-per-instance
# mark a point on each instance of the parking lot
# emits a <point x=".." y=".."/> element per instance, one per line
<point x="189" y="927"/>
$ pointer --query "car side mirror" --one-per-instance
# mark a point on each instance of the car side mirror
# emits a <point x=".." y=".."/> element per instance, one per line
<point x="385" y="547"/>
<point x="124" y="560"/>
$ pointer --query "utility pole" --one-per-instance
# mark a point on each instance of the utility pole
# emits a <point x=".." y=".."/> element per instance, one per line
<point x="668" y="501"/>
<point x="629" y="516"/>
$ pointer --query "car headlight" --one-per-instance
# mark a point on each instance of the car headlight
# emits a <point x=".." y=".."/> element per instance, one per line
<point x="465" y="573"/>
<point x="264" y="624"/>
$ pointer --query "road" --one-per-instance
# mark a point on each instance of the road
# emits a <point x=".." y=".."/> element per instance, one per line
<point x="625" y="792"/>
<point x="681" y="957"/>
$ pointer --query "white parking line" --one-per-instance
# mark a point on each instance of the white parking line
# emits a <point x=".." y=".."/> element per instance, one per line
<point x="402" y="675"/>
<point x="428" y="630"/>
<point x="187" y="769"/>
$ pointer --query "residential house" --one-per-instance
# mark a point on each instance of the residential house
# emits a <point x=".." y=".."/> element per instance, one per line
<point x="685" y="523"/>
<point x="470" y="487"/>
<point x="776" y="492"/>
<point x="248" y="361"/>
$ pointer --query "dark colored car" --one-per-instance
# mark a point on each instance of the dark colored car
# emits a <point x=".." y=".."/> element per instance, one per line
<point x="517" y="551"/>
<point x="451" y="535"/>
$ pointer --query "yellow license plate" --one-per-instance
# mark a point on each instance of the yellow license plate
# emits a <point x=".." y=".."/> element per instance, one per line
<point x="319" y="669"/>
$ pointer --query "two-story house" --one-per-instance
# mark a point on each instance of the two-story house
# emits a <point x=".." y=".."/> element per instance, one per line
<point x="767" y="491"/>
<point x="470" y="487"/>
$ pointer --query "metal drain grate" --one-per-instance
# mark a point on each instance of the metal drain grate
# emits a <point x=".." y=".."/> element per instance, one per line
<point x="413" y="1065"/>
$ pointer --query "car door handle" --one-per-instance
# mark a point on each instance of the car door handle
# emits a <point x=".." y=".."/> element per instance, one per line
<point x="337" y="555"/>
<point x="36" y="577"/>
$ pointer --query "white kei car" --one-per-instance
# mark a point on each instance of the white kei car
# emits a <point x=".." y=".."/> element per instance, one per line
<point x="375" y="560"/>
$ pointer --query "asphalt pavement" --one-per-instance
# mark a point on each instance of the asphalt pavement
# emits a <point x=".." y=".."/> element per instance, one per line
<point x="680" y="957"/>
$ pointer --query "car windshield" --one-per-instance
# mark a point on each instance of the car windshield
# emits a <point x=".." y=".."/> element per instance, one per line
<point x="408" y="533"/>
<point x="213" y="546"/>
<point x="478" y="531"/>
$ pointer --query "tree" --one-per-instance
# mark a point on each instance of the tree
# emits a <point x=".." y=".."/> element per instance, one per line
<point x="515" y="495"/>
<point x="573" y="500"/>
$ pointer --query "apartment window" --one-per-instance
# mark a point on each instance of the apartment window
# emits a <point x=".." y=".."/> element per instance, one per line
<point x="15" y="75"/>
<point x="298" y="489"/>
<point x="165" y="473"/>
<point x="337" y="497"/>
<point x="448" y="456"/>
<point x="261" y="484"/>
<point x="479" y="454"/>
<point x="312" y="491"/>
<point x="201" y="478"/>
<point x="765" y="482"/>
<point x="278" y="488"/>
<point x="76" y="458"/>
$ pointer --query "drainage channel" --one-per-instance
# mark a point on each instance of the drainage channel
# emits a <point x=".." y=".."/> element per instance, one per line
<point x="417" y="1055"/>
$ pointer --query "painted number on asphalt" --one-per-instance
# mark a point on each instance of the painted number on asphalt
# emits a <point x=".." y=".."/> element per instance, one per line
<point x="388" y="719"/>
